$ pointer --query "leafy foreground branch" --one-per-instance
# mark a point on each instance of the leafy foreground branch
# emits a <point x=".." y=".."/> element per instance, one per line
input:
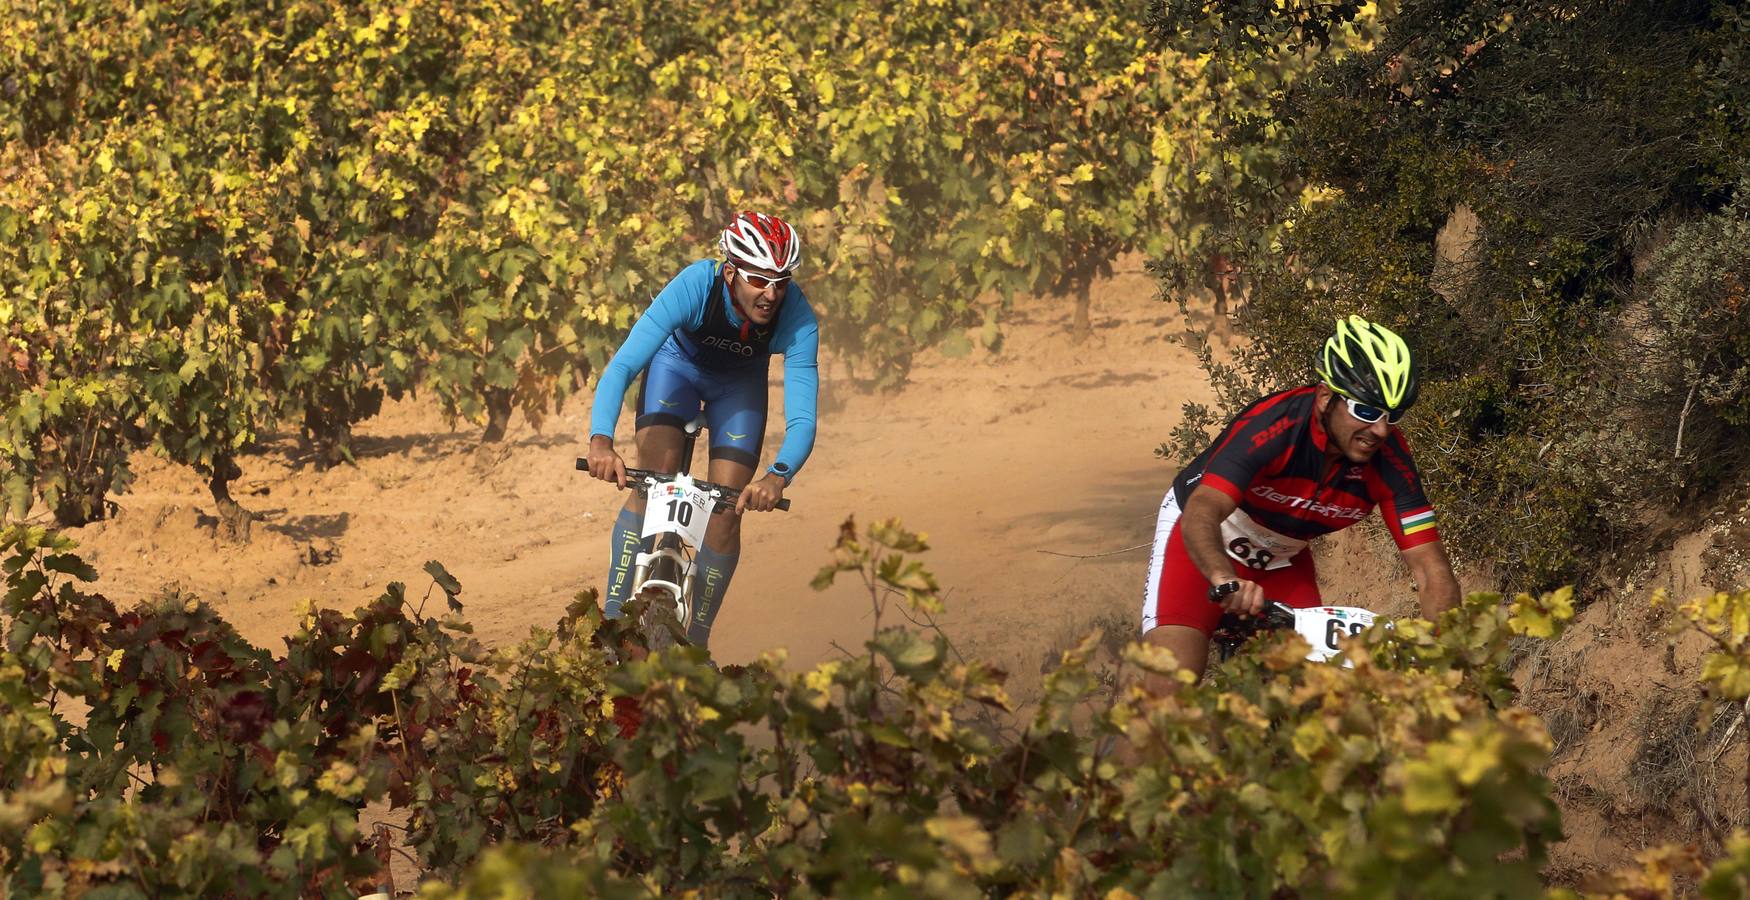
<point x="154" y="753"/>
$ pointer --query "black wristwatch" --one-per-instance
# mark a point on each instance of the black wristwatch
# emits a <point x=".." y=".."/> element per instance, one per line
<point x="1218" y="591"/>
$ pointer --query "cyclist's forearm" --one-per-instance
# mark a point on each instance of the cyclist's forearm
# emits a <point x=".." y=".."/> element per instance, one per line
<point x="1202" y="527"/>
<point x="1204" y="546"/>
<point x="1439" y="600"/>
<point x="801" y="400"/>
<point x="1436" y="585"/>
<point x="1438" y="591"/>
<point x="798" y="444"/>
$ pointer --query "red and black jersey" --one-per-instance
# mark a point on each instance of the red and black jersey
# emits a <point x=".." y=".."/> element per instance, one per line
<point x="1271" y="461"/>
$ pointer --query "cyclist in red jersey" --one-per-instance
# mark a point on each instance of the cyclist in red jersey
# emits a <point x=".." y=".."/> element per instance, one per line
<point x="1294" y="465"/>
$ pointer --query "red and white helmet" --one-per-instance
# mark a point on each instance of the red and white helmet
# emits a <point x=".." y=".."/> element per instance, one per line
<point x="763" y="242"/>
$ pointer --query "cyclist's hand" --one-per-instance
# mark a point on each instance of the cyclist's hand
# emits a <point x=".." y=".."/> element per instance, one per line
<point x="1247" y="601"/>
<point x="761" y="496"/>
<point x="605" y="462"/>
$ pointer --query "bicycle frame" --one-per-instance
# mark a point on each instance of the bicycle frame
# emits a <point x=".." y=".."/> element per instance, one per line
<point x="677" y="512"/>
<point x="669" y="538"/>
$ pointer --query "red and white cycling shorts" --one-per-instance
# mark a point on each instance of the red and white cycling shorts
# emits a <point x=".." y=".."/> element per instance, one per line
<point x="1178" y="594"/>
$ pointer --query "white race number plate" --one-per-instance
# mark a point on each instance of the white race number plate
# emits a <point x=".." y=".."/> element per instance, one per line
<point x="678" y="507"/>
<point x="1325" y="626"/>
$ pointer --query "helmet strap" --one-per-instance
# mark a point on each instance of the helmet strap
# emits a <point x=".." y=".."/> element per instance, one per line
<point x="746" y="320"/>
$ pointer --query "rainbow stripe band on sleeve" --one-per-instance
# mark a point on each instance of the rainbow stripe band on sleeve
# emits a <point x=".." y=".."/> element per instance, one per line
<point x="1418" y="520"/>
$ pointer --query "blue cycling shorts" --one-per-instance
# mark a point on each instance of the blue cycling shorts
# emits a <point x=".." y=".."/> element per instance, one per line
<point x="675" y="388"/>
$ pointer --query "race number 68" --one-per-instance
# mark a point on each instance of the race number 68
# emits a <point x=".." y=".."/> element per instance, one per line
<point x="1337" y="629"/>
<point x="1253" y="557"/>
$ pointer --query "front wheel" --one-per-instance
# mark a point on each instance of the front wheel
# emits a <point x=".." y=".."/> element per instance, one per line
<point x="658" y="623"/>
<point x="666" y="590"/>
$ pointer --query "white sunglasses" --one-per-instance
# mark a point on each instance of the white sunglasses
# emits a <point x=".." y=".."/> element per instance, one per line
<point x="1371" y="414"/>
<point x="761" y="282"/>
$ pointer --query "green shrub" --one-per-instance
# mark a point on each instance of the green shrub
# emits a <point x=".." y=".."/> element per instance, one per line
<point x="1695" y="348"/>
<point x="1547" y="426"/>
<point x="272" y="215"/>
<point x="207" y="766"/>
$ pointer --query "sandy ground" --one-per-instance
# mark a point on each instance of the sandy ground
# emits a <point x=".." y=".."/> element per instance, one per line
<point x="998" y="457"/>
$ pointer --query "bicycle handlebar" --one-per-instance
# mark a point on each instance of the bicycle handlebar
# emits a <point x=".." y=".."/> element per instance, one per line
<point x="640" y="479"/>
<point x="1234" y="629"/>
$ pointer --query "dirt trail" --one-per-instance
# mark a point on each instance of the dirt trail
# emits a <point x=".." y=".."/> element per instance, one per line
<point x="1005" y="460"/>
<point x="1045" y="446"/>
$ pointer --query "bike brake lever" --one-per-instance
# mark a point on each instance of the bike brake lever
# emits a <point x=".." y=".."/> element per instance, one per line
<point x="1279" y="615"/>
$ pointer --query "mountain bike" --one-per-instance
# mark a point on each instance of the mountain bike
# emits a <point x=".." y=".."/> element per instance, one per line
<point x="677" y="510"/>
<point x="1322" y="626"/>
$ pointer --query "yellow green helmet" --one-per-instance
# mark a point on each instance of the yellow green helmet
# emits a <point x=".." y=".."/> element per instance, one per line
<point x="1370" y="364"/>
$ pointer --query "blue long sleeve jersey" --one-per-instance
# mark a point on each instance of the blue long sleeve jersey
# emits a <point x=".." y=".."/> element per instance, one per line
<point x="681" y="307"/>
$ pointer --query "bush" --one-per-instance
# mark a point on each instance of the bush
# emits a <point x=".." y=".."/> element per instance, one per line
<point x="1697" y="341"/>
<point x="1570" y="139"/>
<point x="250" y="216"/>
<point x="208" y="766"/>
<point x="578" y="762"/>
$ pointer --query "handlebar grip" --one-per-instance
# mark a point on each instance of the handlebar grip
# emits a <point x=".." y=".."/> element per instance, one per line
<point x="582" y="464"/>
<point x="727" y="503"/>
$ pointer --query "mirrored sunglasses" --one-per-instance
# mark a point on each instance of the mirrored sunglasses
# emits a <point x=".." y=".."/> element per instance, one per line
<point x="1372" y="414"/>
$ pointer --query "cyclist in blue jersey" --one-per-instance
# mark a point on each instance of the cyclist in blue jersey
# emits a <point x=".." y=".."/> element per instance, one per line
<point x="705" y="344"/>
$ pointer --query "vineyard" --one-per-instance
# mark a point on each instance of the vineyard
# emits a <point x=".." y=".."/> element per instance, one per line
<point x="224" y="219"/>
<point x="228" y="227"/>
